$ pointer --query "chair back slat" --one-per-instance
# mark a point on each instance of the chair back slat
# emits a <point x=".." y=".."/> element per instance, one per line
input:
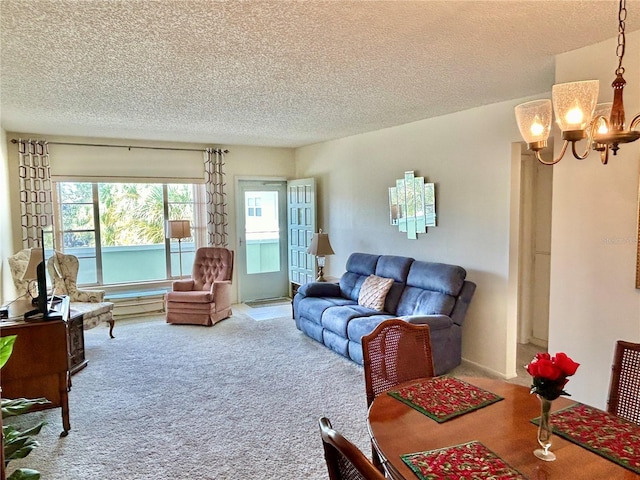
<point x="624" y="389"/>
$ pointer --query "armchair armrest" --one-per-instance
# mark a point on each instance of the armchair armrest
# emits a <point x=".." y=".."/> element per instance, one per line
<point x="320" y="289"/>
<point x="87" y="295"/>
<point x="218" y="286"/>
<point x="182" y="285"/>
<point x="435" y="322"/>
<point x="221" y="294"/>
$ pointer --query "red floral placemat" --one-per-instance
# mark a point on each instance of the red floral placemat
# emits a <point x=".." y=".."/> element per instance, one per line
<point x="469" y="460"/>
<point x="607" y="435"/>
<point x="443" y="398"/>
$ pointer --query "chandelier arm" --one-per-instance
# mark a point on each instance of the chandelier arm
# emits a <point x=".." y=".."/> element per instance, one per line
<point x="604" y="155"/>
<point x="556" y="160"/>
<point x="586" y="151"/>
<point x="635" y="122"/>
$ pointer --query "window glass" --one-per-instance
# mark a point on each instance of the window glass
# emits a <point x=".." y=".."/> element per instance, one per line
<point x="117" y="230"/>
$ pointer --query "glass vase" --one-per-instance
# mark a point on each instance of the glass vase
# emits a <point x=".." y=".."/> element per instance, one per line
<point x="545" y="431"/>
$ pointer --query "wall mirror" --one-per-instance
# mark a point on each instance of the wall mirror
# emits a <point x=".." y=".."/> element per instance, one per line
<point x="412" y="205"/>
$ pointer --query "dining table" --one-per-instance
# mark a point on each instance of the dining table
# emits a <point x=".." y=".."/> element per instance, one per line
<point x="503" y="426"/>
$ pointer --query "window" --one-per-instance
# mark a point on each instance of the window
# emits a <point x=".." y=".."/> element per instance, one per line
<point x="254" y="207"/>
<point x="117" y="230"/>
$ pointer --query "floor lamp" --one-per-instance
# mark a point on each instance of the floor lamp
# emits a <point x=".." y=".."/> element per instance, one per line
<point x="179" y="229"/>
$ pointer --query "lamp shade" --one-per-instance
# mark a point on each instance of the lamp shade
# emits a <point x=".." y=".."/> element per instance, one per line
<point x="534" y="120"/>
<point x="35" y="259"/>
<point x="320" y="245"/>
<point x="574" y="103"/>
<point x="603" y="110"/>
<point x="178" y="229"/>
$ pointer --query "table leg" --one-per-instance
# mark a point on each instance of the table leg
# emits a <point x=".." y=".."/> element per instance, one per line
<point x="64" y="404"/>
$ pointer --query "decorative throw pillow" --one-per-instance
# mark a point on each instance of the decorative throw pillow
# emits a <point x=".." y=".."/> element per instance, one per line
<point x="374" y="291"/>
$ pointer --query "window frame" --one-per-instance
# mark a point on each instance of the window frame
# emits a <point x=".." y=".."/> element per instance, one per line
<point x="59" y="231"/>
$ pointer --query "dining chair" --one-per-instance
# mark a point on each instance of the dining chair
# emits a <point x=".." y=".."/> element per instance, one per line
<point x="624" y="390"/>
<point x="396" y="351"/>
<point x="344" y="460"/>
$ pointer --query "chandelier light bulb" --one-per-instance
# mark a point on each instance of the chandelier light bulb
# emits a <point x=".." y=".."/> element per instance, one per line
<point x="574" y="118"/>
<point x="536" y="127"/>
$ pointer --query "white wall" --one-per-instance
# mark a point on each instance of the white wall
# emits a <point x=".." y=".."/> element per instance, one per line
<point x="241" y="161"/>
<point x="468" y="156"/>
<point x="594" y="235"/>
<point x="7" y="290"/>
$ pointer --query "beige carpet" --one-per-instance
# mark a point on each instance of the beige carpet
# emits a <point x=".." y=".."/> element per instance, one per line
<point x="239" y="400"/>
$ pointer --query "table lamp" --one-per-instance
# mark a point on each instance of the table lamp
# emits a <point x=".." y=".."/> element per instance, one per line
<point x="178" y="229"/>
<point x="320" y="247"/>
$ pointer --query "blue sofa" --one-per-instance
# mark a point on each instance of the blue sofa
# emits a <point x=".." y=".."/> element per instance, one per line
<point x="422" y="292"/>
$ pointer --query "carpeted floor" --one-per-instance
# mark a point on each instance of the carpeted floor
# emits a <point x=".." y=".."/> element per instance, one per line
<point x="240" y="400"/>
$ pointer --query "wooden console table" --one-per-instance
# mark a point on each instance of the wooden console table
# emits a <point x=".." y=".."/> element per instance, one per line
<point x="39" y="364"/>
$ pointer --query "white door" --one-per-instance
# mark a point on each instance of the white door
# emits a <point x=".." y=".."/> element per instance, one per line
<point x="302" y="225"/>
<point x="262" y="240"/>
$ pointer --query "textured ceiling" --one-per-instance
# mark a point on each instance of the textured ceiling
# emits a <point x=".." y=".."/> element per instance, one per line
<point x="276" y="73"/>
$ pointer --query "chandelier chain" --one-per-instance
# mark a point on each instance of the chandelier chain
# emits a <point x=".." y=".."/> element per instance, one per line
<point x="622" y="16"/>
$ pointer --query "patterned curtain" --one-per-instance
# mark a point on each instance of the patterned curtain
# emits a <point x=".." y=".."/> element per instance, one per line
<point x="36" y="205"/>
<point x="216" y="198"/>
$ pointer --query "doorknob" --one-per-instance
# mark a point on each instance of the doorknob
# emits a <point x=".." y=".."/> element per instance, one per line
<point x="240" y="241"/>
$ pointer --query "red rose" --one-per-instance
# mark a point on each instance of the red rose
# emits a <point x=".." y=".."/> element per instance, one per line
<point x="543" y="356"/>
<point x="564" y="363"/>
<point x="547" y="369"/>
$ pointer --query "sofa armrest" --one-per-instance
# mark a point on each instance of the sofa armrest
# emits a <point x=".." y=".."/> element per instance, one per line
<point x="182" y="285"/>
<point x="462" y="302"/>
<point x="435" y="322"/>
<point x="319" y="289"/>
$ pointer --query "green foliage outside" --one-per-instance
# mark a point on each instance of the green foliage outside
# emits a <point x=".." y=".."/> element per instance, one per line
<point x="130" y="213"/>
<point x="17" y="443"/>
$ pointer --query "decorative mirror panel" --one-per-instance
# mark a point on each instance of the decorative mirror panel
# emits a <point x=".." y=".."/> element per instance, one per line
<point x="412" y="205"/>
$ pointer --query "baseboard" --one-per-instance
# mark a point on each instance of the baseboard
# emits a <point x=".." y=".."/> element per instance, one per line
<point x="487" y="371"/>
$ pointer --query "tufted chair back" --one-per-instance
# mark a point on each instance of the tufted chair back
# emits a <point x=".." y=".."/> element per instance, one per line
<point x="211" y="264"/>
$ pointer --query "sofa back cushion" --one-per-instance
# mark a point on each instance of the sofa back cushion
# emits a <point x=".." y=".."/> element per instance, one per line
<point x="359" y="267"/>
<point x="397" y="268"/>
<point x="432" y="289"/>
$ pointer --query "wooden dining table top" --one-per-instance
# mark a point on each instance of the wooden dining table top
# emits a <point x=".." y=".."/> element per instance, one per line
<point x="503" y="427"/>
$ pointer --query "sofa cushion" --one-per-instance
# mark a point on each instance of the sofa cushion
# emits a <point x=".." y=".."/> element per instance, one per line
<point x="313" y="308"/>
<point x="390" y="266"/>
<point x="337" y="318"/>
<point x="195" y="296"/>
<point x="359" y="267"/>
<point x="358" y="327"/>
<point x="374" y="292"/>
<point x="416" y="301"/>
<point x="437" y="277"/>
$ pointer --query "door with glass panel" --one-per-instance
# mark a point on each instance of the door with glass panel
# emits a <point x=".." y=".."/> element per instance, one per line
<point x="262" y="240"/>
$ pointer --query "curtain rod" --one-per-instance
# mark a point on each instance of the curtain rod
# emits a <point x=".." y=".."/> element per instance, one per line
<point x="215" y="150"/>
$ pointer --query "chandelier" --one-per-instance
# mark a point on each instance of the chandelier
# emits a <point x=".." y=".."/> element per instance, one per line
<point x="578" y="115"/>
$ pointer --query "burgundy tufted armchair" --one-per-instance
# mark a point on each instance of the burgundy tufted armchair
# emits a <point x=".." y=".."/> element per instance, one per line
<point x="205" y="298"/>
